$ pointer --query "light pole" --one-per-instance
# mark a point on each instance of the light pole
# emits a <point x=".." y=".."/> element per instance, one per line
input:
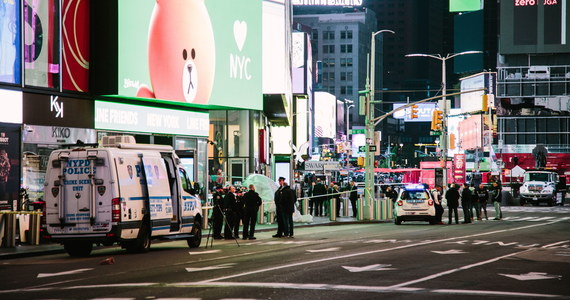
<point x="349" y="105"/>
<point x="369" y="155"/>
<point x="444" y="104"/>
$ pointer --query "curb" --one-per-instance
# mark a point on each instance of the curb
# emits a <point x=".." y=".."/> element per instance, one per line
<point x="12" y="253"/>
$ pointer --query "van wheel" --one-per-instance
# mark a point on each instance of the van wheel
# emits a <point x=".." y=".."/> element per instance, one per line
<point x="196" y="239"/>
<point x="78" y="249"/>
<point x="398" y="221"/>
<point x="142" y="243"/>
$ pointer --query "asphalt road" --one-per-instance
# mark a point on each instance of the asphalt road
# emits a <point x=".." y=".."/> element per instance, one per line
<point x="525" y="255"/>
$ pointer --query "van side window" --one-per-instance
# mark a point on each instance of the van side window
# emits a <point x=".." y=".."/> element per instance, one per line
<point x="183" y="179"/>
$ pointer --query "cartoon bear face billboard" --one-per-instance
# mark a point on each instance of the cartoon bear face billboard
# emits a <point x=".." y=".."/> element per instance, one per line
<point x="194" y="52"/>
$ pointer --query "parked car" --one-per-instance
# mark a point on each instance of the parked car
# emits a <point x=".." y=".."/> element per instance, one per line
<point x="414" y="204"/>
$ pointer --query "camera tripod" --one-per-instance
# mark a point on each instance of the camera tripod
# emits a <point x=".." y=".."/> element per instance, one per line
<point x="211" y="242"/>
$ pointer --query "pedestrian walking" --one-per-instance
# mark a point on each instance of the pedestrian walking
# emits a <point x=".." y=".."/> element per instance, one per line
<point x="496" y="190"/>
<point x="353" y="197"/>
<point x="252" y="201"/>
<point x="319" y="192"/>
<point x="466" y="198"/>
<point x="278" y="208"/>
<point x="393" y="196"/>
<point x="437" y="195"/>
<point x="336" y="199"/>
<point x="310" y="194"/>
<point x="452" y="196"/>
<point x="288" y="199"/>
<point x="483" y="196"/>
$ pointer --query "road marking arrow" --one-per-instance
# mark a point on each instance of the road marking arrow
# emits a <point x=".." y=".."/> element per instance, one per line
<point x="224" y="266"/>
<point x="43" y="275"/>
<point x="324" y="250"/>
<point x="377" y="267"/>
<point x="204" y="252"/>
<point x="532" y="276"/>
<point x="452" y="251"/>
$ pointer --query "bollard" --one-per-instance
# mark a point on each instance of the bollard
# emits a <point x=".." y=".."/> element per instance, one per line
<point x="376" y="206"/>
<point x="261" y="214"/>
<point x="205" y="214"/>
<point x="359" y="204"/>
<point x="345" y="203"/>
<point x="332" y="209"/>
<point x="305" y="207"/>
<point x="35" y="229"/>
<point x="9" y="226"/>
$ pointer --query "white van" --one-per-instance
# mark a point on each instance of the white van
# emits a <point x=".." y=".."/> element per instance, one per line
<point x="123" y="192"/>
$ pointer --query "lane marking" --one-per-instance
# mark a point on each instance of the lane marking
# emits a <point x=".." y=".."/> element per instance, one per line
<point x="376" y="267"/>
<point x="463" y="268"/>
<point x="324" y="250"/>
<point x="451" y="251"/>
<point x="224" y="266"/>
<point x="204" y="252"/>
<point x="423" y="243"/>
<point x="43" y="275"/>
<point x="532" y="276"/>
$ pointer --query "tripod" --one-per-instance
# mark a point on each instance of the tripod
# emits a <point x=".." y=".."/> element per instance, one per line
<point x="225" y="220"/>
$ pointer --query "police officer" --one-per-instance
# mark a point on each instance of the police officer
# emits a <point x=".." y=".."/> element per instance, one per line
<point x="229" y="205"/>
<point x="217" y="213"/>
<point x="252" y="201"/>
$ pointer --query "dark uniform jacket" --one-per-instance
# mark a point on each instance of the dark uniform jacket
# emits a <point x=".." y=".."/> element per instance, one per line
<point x="452" y="196"/>
<point x="252" y="201"/>
<point x="285" y="197"/>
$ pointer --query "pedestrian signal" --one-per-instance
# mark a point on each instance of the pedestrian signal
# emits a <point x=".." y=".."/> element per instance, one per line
<point x="485" y="104"/>
<point x="451" y="141"/>
<point x="414" y="111"/>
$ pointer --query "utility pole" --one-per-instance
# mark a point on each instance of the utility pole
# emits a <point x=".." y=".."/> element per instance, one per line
<point x="369" y="155"/>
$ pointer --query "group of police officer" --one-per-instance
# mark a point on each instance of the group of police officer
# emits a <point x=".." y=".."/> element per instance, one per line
<point x="232" y="206"/>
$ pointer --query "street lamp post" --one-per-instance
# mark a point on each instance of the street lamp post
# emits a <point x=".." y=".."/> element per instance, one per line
<point x="444" y="104"/>
<point x="369" y="155"/>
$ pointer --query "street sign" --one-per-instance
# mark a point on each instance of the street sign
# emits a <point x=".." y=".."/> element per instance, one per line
<point x="372" y="148"/>
<point x="357" y="131"/>
<point x="435" y="132"/>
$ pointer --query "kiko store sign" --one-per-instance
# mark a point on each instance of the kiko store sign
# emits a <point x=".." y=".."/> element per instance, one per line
<point x="51" y="110"/>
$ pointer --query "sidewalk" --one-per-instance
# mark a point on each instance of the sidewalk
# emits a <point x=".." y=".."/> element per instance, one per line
<point x="25" y="250"/>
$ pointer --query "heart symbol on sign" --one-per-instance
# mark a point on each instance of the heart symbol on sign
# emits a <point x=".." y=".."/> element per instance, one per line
<point x="240" y="33"/>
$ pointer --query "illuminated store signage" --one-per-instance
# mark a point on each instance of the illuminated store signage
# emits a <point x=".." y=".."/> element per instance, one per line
<point x="328" y="2"/>
<point x="125" y="117"/>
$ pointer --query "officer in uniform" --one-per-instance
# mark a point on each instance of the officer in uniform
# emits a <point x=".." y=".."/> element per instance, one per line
<point x="229" y="212"/>
<point x="217" y="213"/>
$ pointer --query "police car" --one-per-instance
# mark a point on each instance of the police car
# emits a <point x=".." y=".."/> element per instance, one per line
<point x="414" y="204"/>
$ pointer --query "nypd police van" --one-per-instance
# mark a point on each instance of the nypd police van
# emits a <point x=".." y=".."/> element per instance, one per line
<point x="122" y="192"/>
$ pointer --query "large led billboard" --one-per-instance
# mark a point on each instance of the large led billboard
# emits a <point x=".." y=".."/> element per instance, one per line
<point x="425" y="111"/>
<point x="75" y="39"/>
<point x="10" y="50"/>
<point x="534" y="26"/>
<point x="41" y="43"/>
<point x="191" y="52"/>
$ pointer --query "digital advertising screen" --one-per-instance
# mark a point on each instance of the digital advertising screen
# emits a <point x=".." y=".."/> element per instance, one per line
<point x="10" y="36"/>
<point x="41" y="43"/>
<point x="191" y="52"/>
<point x="75" y="35"/>
<point x="534" y="26"/>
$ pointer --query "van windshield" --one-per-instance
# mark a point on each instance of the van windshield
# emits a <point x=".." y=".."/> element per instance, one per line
<point x="536" y="177"/>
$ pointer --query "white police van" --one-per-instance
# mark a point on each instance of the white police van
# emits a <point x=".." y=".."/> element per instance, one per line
<point x="414" y="204"/>
<point x="122" y="192"/>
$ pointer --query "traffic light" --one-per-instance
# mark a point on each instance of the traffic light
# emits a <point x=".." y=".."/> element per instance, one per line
<point x="414" y="111"/>
<point x="485" y="104"/>
<point x="437" y="120"/>
<point x="360" y="161"/>
<point x="452" y="141"/>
